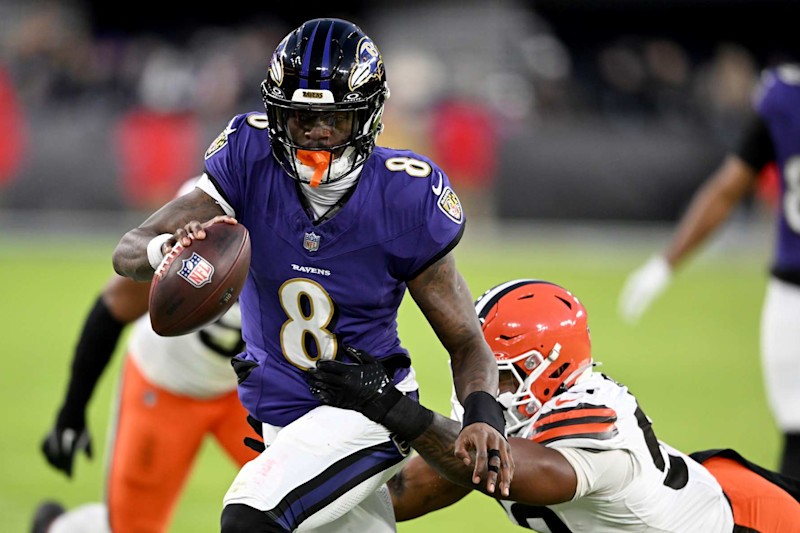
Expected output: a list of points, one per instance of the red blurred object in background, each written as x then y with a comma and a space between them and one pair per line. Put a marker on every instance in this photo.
156, 151
767, 186
465, 143
15, 129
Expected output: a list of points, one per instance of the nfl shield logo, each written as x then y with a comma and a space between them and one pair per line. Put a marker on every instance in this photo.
311, 242
196, 270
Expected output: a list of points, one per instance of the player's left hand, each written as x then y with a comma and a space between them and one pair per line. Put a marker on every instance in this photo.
492, 455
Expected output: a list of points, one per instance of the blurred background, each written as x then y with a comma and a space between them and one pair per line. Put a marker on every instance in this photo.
574, 131
602, 110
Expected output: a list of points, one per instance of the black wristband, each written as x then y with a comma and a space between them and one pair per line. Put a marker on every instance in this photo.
407, 418
480, 406
98, 339
377, 409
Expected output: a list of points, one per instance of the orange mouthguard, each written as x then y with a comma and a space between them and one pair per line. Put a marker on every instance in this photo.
317, 160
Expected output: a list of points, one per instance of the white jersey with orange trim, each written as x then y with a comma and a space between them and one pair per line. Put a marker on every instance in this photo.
197, 365
627, 479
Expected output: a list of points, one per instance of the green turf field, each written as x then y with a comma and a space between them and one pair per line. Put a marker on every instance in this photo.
692, 362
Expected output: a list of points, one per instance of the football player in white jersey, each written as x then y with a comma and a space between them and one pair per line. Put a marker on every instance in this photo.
173, 392
586, 456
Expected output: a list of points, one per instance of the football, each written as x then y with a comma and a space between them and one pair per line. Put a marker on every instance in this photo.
195, 285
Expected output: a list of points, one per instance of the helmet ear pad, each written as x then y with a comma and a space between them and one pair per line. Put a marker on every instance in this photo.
325, 65
539, 332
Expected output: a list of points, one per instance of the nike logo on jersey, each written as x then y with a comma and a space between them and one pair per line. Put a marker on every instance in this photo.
562, 401
437, 189
228, 129
222, 140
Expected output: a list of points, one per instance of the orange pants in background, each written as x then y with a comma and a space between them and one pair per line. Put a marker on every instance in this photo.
158, 436
757, 503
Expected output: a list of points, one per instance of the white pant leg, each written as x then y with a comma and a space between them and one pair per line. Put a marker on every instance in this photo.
374, 514
89, 518
780, 352
317, 468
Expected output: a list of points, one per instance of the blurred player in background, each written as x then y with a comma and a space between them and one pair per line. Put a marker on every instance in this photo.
772, 135
174, 391
339, 228
587, 458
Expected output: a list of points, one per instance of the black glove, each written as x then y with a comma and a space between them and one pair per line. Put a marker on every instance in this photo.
99, 337
65, 440
255, 444
363, 386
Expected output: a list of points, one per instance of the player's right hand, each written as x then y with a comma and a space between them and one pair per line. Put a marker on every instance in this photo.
194, 230
63, 443
643, 286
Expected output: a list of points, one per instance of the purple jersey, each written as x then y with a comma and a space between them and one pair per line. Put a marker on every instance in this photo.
313, 287
778, 104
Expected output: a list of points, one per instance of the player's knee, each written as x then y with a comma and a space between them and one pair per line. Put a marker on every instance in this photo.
239, 518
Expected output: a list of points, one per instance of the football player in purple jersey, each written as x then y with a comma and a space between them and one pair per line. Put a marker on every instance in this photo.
340, 228
773, 135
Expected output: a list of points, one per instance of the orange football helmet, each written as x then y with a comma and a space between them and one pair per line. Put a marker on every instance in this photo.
538, 331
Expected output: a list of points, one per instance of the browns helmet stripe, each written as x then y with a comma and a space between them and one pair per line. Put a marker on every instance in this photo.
488, 299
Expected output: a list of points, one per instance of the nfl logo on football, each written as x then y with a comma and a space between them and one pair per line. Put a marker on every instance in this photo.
196, 270
311, 242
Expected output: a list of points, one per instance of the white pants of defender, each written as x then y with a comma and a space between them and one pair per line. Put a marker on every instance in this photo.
304, 450
780, 352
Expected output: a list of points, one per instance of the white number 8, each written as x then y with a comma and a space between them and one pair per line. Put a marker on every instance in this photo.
791, 196
304, 323
412, 167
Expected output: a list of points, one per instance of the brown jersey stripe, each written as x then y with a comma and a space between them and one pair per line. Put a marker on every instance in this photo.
607, 431
575, 422
605, 435
572, 414
572, 408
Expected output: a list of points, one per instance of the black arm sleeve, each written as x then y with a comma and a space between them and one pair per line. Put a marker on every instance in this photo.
99, 337
755, 147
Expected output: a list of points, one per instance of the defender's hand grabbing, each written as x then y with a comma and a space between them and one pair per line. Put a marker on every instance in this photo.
363, 386
252, 443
